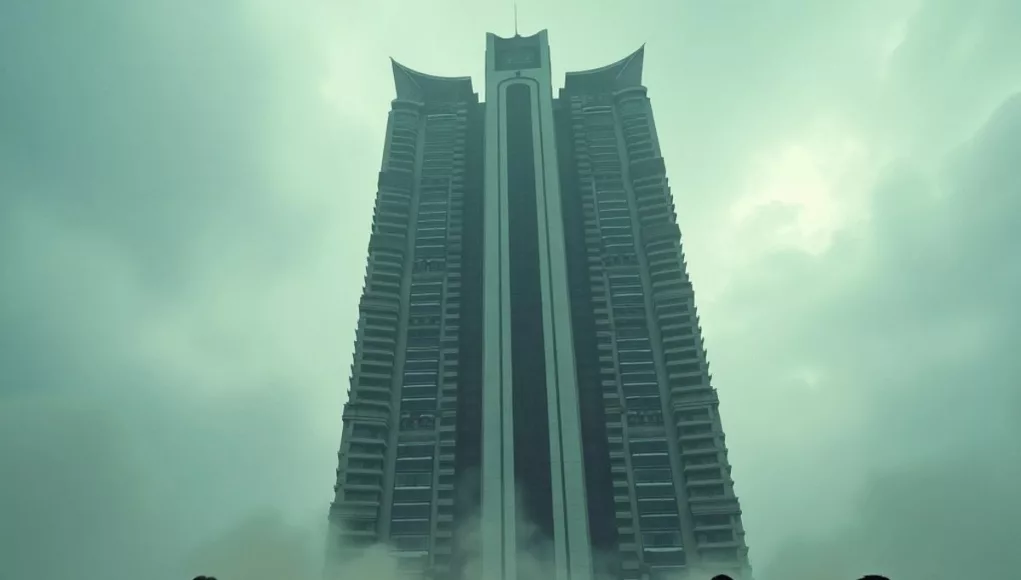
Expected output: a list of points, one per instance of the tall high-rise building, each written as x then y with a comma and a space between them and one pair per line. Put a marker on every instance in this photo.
530, 382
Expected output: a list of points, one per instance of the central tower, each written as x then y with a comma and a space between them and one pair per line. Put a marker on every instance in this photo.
533, 476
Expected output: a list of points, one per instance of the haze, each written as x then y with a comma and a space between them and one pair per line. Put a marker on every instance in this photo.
185, 200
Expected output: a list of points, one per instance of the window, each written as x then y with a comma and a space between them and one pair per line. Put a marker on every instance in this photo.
644, 418
414, 464
703, 429
377, 333
418, 391
376, 321
430, 353
386, 357
705, 490
409, 527
419, 366
362, 479
365, 464
657, 460
703, 459
376, 368
638, 378
426, 288
412, 479
637, 367
431, 331
658, 522
614, 218
628, 300
633, 332
367, 395
654, 490
429, 340
666, 506
415, 377
359, 495
418, 405
652, 476
642, 390
644, 402
409, 511
668, 557
425, 309
713, 520
433, 251
716, 537
696, 444
634, 344
621, 243
364, 449
692, 367
410, 494
411, 543
648, 446
633, 356
703, 474
414, 450
696, 415
661, 539
624, 280
368, 431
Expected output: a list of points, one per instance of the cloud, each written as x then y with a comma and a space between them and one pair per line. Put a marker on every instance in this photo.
931, 379
185, 191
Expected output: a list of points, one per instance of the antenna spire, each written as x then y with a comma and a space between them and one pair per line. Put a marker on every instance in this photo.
516, 19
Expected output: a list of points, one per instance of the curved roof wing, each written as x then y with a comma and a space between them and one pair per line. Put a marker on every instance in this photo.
626, 72
416, 86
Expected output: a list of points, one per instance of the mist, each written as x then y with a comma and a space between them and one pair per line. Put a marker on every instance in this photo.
186, 192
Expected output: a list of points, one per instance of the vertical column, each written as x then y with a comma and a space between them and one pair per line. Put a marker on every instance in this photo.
523, 196
497, 527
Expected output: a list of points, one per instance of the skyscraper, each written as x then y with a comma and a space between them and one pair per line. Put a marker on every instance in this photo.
529, 379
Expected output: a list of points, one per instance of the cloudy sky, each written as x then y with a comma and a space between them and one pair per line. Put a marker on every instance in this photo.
185, 194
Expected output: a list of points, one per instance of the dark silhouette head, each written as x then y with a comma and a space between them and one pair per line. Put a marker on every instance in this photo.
205, 578
722, 577
873, 577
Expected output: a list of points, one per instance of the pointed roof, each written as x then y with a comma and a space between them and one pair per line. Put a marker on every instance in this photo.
626, 72
415, 86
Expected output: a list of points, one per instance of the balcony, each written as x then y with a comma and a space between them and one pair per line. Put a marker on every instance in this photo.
351, 537
722, 505
363, 483
346, 511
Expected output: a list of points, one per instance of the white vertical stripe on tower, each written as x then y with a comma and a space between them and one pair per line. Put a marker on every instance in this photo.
498, 545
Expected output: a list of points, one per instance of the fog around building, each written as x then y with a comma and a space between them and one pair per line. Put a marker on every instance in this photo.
185, 198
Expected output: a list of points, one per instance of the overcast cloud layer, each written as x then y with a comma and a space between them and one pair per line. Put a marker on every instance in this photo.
185, 196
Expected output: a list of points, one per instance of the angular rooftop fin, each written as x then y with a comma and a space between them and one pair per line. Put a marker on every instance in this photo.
416, 86
626, 72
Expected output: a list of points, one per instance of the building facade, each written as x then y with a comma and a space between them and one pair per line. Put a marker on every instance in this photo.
530, 385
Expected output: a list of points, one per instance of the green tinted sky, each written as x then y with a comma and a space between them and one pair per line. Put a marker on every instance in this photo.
185, 196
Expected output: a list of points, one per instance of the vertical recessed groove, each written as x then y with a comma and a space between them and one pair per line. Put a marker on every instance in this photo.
531, 429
